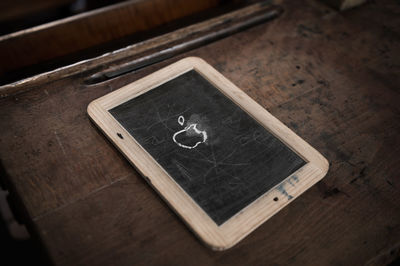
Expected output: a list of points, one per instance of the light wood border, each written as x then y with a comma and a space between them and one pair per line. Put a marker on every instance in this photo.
236, 228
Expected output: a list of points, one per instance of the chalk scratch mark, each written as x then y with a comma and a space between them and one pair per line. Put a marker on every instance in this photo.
159, 118
215, 162
185, 173
154, 140
216, 165
206, 174
59, 143
163, 121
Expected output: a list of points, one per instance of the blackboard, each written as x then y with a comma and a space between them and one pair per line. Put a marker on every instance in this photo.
214, 150
221, 161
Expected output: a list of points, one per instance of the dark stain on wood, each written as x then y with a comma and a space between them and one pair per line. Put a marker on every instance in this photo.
360, 176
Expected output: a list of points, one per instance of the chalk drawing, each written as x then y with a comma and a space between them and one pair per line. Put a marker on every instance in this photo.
181, 120
189, 130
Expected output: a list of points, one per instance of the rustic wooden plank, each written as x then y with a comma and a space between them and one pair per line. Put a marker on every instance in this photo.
143, 243
154, 50
53, 131
332, 78
79, 32
18, 9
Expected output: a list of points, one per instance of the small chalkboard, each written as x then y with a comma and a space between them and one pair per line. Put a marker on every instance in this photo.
220, 160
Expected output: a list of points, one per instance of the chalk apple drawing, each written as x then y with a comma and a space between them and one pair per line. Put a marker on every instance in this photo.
190, 129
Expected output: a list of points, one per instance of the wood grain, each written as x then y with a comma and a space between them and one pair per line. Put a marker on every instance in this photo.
66, 36
333, 78
156, 49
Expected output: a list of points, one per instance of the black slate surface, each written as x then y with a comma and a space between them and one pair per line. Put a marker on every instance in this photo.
235, 160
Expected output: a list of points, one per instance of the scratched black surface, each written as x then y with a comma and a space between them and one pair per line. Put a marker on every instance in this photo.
238, 162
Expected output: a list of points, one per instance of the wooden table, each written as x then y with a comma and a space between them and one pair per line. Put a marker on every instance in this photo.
332, 77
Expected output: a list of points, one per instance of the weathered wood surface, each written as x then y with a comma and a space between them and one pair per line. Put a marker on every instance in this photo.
75, 34
331, 77
153, 50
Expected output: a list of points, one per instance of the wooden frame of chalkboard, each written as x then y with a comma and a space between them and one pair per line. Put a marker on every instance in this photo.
218, 230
